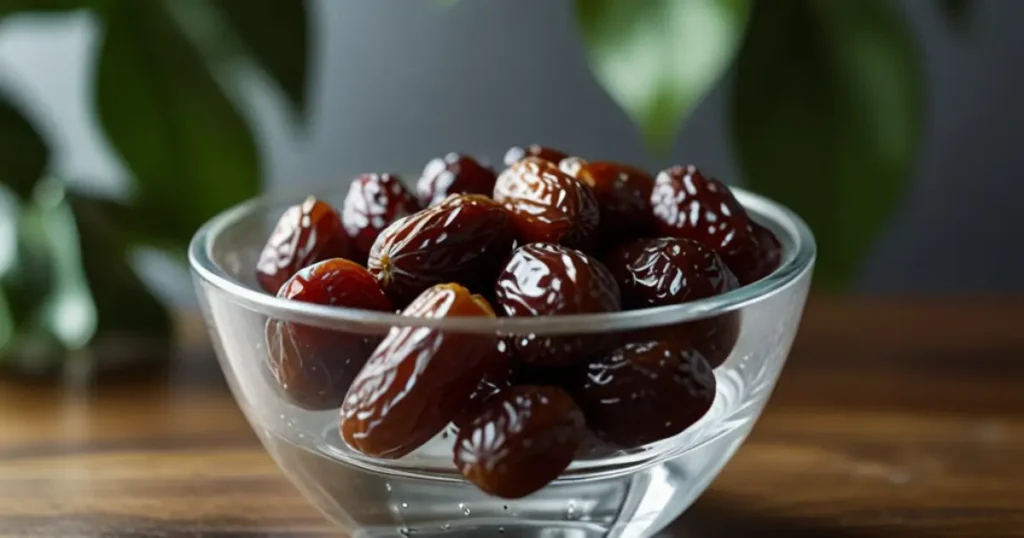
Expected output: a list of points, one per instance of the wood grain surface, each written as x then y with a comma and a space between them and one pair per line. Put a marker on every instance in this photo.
894, 418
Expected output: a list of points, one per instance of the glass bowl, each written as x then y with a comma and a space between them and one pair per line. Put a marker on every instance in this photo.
625, 493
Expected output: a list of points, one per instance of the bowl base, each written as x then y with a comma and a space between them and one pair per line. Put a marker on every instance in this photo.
635, 504
504, 529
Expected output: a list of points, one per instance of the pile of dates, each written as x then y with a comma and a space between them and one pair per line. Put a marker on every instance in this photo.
550, 235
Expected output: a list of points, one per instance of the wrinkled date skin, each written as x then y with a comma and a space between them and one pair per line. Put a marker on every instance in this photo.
453, 174
499, 377
518, 153
667, 271
644, 392
315, 366
305, 234
543, 279
623, 193
524, 438
547, 205
759, 262
689, 205
373, 202
658, 272
463, 239
714, 337
418, 379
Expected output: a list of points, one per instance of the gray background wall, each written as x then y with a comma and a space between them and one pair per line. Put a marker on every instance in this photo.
400, 81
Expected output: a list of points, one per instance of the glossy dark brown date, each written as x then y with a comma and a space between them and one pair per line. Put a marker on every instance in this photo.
518, 153
714, 337
761, 259
315, 366
453, 174
689, 205
373, 202
547, 205
623, 193
417, 380
543, 279
500, 376
644, 392
522, 440
463, 239
667, 271
306, 233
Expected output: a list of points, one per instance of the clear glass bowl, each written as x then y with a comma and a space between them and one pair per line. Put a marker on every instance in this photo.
631, 493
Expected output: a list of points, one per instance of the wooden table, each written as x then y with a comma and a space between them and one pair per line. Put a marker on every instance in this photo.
893, 419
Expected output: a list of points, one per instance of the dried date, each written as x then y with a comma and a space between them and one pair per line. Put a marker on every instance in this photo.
762, 256
373, 202
687, 204
315, 366
306, 233
543, 279
547, 205
644, 392
667, 271
418, 379
623, 194
659, 272
499, 377
518, 153
522, 440
463, 239
453, 174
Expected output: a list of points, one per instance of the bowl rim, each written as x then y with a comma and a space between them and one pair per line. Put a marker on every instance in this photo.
799, 252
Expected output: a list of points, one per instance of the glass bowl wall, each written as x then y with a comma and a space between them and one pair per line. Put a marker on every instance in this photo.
604, 493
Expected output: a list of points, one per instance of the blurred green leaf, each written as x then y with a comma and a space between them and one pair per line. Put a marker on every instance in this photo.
7, 325
68, 311
658, 58
123, 302
72, 282
276, 34
8, 257
23, 153
188, 147
9, 211
826, 116
48, 303
27, 273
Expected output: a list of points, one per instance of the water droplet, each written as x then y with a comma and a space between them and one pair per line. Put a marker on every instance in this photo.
387, 486
405, 505
501, 530
446, 526
404, 531
570, 512
465, 509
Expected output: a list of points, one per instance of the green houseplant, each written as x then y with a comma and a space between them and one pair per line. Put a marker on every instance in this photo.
167, 105
826, 98
825, 115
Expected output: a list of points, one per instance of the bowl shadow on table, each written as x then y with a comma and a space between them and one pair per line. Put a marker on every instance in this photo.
720, 515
